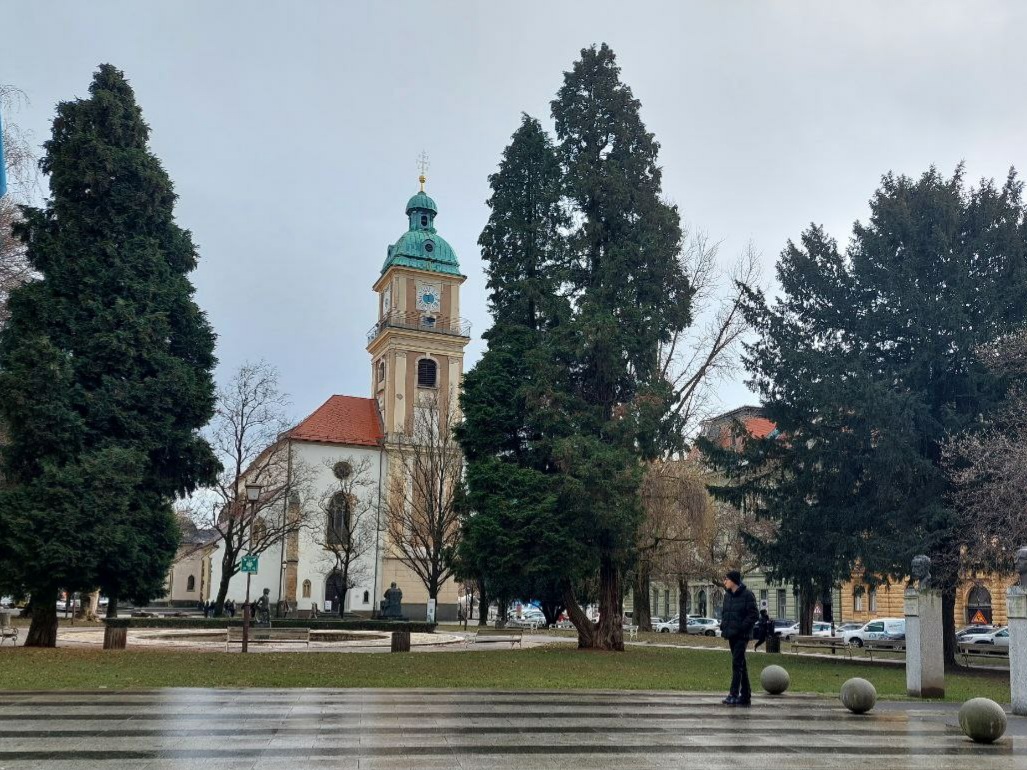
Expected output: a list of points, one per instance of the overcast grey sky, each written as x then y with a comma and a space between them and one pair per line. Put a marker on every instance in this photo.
291, 130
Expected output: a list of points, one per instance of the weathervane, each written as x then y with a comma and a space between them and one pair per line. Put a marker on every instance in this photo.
422, 165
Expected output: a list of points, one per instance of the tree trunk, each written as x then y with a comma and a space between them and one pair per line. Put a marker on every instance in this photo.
483, 604
345, 591
112, 606
608, 633
807, 601
682, 605
552, 610
43, 630
584, 626
641, 611
948, 624
227, 565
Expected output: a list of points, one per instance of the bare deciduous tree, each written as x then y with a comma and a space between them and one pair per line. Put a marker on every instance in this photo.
704, 354
420, 510
988, 467
346, 524
22, 176
247, 434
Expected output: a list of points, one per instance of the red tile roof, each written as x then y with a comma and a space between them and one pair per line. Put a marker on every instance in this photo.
342, 420
759, 427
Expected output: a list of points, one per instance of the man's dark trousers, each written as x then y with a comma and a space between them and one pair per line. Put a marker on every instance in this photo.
740, 686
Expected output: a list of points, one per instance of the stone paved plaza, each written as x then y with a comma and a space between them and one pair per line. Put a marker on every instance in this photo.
195, 728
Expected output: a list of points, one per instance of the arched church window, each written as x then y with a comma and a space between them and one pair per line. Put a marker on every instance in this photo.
306, 589
190, 584
381, 372
427, 373
338, 519
367, 597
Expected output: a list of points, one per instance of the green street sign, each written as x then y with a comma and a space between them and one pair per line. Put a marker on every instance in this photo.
248, 564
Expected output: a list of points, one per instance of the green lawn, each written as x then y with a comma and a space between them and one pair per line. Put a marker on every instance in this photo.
556, 667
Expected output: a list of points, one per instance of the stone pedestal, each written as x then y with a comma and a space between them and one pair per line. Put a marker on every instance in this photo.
1016, 608
925, 644
401, 641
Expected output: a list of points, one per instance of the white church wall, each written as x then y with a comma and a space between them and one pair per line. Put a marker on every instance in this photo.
315, 562
269, 575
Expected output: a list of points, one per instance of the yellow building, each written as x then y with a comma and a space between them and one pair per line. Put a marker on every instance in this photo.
979, 599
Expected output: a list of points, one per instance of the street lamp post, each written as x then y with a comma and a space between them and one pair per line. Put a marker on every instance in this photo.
252, 496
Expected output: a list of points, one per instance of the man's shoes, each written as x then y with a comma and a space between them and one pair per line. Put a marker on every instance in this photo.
742, 702
730, 700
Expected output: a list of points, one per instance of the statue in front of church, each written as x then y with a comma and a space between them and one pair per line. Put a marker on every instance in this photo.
263, 609
392, 604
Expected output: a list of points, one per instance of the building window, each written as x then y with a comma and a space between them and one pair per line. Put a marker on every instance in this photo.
782, 603
258, 531
306, 589
367, 597
381, 372
764, 599
427, 373
338, 519
666, 603
424, 220
872, 595
857, 599
190, 584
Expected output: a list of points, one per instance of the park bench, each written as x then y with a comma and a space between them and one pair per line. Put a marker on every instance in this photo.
8, 631
563, 625
832, 643
632, 632
870, 646
268, 636
969, 651
511, 636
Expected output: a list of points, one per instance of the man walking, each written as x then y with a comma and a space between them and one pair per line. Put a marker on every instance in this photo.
736, 623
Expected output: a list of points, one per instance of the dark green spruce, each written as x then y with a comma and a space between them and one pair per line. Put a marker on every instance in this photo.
512, 535
867, 363
105, 369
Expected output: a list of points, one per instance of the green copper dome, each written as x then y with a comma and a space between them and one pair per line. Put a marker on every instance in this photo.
422, 201
421, 247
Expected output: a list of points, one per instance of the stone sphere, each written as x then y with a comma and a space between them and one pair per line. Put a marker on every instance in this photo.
983, 720
858, 695
774, 679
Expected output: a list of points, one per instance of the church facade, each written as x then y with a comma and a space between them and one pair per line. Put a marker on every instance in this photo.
352, 448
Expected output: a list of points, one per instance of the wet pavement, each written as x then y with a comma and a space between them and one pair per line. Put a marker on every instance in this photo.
306, 728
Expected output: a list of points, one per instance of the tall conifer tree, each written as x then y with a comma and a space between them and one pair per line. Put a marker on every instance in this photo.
105, 368
631, 294
867, 363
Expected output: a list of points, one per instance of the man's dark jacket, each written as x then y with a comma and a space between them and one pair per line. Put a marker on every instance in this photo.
739, 614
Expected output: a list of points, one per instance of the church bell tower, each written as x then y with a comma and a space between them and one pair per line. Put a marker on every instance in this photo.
417, 345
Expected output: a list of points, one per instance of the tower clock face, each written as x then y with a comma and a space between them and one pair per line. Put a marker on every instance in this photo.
429, 297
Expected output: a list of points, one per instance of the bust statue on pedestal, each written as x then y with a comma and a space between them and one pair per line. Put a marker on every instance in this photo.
1021, 567
921, 571
392, 604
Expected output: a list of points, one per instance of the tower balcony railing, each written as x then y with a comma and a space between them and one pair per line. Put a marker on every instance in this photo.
423, 322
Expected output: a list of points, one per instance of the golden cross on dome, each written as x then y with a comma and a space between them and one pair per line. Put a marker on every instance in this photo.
422, 165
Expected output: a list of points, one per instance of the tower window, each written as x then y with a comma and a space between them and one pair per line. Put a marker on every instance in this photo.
424, 220
427, 373
381, 372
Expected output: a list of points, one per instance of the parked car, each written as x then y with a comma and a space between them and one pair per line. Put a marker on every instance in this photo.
878, 628
999, 637
667, 626
975, 629
840, 630
704, 626
819, 629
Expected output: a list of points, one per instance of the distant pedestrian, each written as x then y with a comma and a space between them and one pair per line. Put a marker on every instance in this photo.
231, 608
764, 629
737, 620
206, 610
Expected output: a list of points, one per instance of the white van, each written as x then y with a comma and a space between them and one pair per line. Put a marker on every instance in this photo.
879, 628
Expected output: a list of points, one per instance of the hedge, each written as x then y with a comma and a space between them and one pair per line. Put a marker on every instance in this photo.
217, 623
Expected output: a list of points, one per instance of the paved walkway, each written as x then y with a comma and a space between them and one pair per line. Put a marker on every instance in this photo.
195, 728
